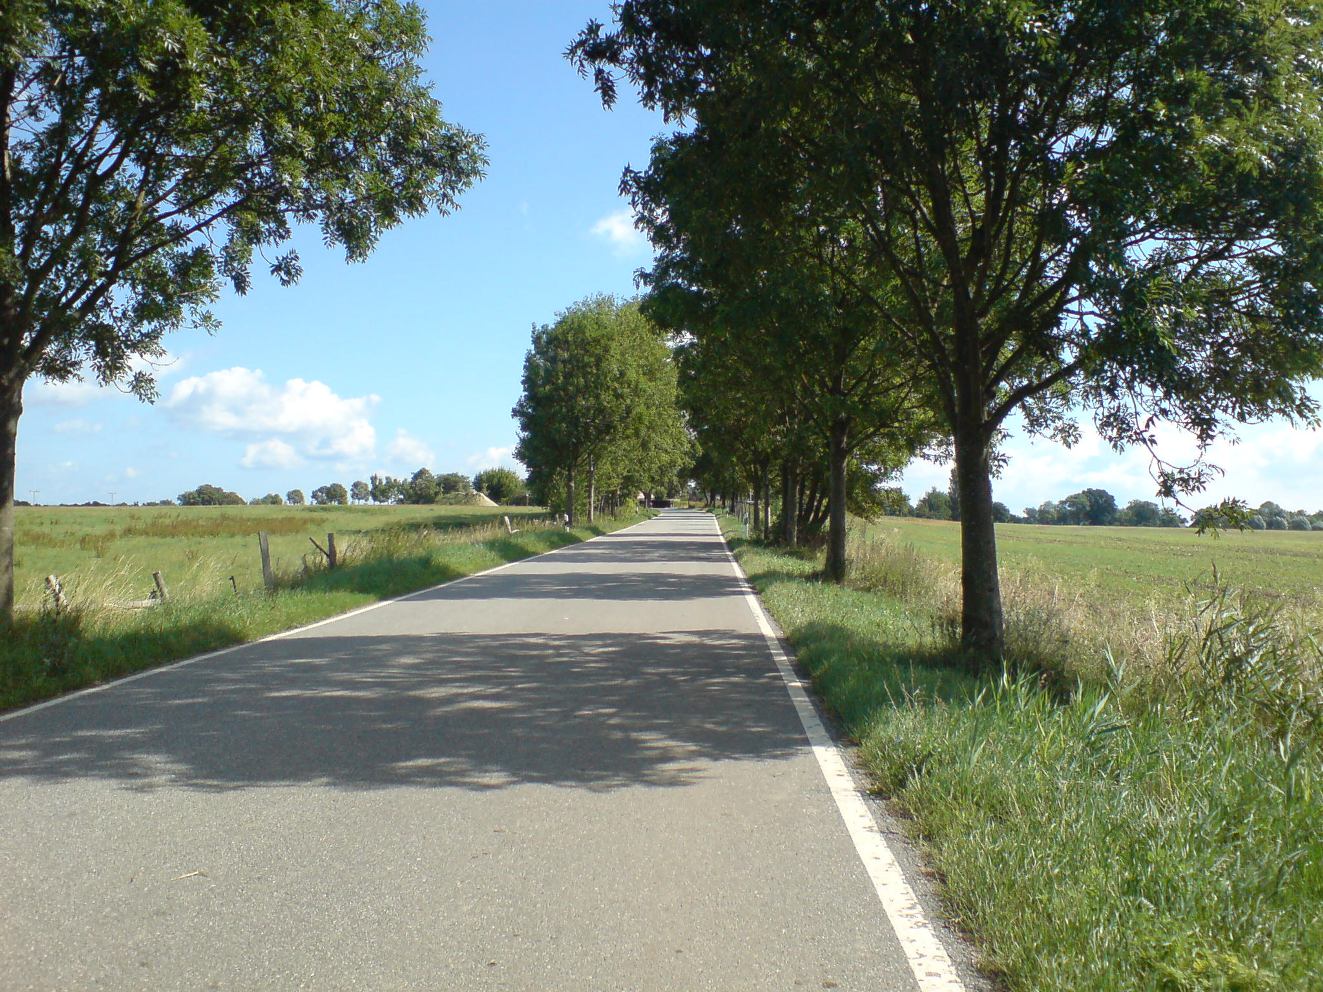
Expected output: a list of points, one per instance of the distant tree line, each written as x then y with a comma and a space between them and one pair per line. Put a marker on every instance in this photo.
1268, 516
1098, 508
501, 485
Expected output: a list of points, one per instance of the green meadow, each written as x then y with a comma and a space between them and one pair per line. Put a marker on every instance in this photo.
102, 554
1138, 565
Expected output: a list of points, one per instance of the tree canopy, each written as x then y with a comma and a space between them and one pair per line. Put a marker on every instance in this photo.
153, 149
599, 402
1050, 205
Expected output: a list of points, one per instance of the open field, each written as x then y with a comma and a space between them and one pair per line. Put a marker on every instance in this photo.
1114, 834
1139, 565
110, 553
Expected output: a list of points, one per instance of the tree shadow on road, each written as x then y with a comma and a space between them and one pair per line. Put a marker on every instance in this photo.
469, 711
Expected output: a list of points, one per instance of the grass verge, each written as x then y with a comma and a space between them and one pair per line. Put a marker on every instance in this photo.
46, 654
1116, 836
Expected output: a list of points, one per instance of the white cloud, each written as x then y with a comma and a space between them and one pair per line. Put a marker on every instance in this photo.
492, 458
130, 473
309, 418
619, 230
1271, 461
406, 449
272, 453
77, 426
80, 392
75, 392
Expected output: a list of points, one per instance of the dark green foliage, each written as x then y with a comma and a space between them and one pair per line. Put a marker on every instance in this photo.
386, 489
934, 505
422, 487
499, 484
332, 494
452, 483
209, 495
1096, 507
295, 497
359, 492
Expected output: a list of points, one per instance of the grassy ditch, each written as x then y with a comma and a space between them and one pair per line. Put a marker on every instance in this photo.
1110, 832
46, 653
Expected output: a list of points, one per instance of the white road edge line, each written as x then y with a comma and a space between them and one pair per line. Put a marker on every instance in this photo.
927, 957
147, 673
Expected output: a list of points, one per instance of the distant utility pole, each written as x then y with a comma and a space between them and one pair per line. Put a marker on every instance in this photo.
112, 496
33, 493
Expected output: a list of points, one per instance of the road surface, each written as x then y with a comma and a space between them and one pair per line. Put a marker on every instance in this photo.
579, 772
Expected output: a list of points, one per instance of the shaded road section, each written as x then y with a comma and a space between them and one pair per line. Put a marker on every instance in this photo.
579, 772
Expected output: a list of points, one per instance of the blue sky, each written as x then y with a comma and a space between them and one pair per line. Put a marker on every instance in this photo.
413, 357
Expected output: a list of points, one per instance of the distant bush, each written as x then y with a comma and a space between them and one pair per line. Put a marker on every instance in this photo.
1276, 523
499, 484
295, 497
1256, 522
332, 494
209, 495
1299, 523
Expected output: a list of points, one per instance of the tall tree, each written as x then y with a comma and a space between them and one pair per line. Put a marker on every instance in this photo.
150, 147
764, 279
1109, 203
596, 398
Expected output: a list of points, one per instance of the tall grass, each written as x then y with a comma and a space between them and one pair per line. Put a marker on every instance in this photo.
1143, 818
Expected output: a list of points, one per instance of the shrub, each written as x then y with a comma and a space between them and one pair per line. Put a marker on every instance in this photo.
500, 484
1256, 522
1276, 523
209, 495
1299, 523
333, 494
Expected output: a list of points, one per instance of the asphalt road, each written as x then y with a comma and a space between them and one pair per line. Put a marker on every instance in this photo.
581, 772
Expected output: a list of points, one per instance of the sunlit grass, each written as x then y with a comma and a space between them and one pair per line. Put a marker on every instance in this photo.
1099, 831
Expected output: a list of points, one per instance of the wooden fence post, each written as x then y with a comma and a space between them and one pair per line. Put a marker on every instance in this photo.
268, 577
330, 551
161, 595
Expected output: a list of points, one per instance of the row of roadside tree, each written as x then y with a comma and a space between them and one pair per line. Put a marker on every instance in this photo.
893, 229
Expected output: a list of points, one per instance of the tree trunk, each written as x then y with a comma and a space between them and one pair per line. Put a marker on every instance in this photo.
592, 490
753, 516
569, 496
839, 455
767, 501
11, 407
982, 634
789, 503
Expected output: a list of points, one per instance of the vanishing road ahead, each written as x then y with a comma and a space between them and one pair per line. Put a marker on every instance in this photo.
580, 772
